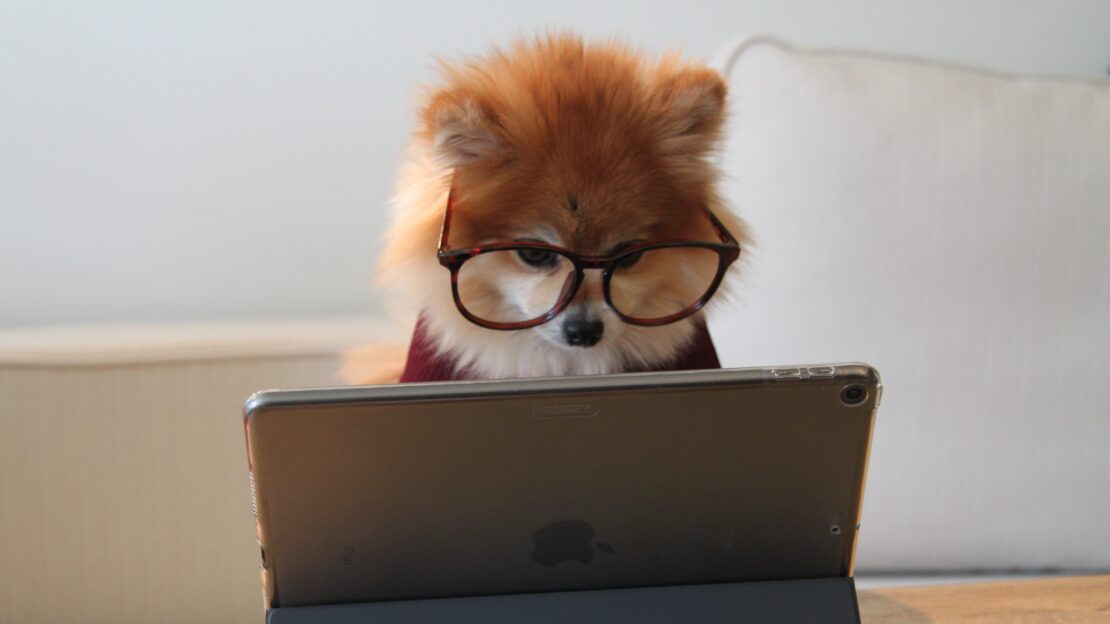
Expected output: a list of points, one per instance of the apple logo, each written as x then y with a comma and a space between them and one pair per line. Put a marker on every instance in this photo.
566, 540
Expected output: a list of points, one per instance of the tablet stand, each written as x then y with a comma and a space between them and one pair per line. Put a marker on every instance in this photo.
814, 601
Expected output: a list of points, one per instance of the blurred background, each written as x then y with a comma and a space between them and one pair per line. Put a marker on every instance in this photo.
216, 160
193, 196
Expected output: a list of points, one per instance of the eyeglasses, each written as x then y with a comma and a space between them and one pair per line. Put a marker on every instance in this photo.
521, 284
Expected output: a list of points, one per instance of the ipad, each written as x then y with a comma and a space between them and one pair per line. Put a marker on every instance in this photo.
381, 493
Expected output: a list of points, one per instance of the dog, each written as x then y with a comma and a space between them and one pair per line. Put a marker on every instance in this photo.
574, 150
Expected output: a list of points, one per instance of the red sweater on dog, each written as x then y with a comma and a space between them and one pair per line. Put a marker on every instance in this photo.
424, 364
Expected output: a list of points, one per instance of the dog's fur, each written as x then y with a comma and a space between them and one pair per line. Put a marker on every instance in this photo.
581, 145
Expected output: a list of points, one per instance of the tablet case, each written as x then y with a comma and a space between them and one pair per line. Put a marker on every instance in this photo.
796, 420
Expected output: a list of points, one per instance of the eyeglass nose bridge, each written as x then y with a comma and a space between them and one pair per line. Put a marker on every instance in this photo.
575, 279
592, 262
572, 286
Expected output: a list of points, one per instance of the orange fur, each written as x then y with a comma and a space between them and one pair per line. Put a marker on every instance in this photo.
592, 144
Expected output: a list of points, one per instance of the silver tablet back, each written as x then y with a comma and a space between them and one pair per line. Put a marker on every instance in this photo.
473, 488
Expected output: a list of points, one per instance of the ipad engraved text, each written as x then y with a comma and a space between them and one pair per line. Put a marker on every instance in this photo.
565, 410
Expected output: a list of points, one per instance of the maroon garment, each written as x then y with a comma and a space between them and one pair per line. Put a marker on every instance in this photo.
424, 364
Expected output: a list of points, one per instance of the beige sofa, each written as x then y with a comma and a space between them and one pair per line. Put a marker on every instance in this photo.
123, 477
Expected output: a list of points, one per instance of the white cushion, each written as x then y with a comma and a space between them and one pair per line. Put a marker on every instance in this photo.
950, 226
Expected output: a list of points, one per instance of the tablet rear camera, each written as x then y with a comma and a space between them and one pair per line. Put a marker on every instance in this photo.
853, 394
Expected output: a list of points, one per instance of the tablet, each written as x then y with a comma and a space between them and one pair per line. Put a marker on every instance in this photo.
473, 488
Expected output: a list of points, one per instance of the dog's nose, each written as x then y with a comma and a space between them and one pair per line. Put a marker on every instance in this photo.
582, 333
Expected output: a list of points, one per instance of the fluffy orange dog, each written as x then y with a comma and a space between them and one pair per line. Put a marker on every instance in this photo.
567, 189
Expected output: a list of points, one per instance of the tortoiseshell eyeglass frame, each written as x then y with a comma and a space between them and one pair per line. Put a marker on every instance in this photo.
728, 250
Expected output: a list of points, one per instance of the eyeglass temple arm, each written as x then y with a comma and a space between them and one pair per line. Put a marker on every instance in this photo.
445, 229
722, 232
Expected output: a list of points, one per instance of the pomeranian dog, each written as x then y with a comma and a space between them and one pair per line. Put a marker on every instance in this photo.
558, 215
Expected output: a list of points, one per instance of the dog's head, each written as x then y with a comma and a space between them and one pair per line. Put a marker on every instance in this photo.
590, 149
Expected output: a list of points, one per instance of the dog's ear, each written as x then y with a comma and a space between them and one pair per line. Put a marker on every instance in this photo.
462, 129
692, 109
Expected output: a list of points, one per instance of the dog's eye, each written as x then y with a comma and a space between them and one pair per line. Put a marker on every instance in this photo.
537, 257
630, 259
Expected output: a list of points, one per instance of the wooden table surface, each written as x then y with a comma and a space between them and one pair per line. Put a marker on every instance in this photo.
1071, 600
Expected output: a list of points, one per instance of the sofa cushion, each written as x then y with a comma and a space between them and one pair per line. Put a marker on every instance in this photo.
949, 226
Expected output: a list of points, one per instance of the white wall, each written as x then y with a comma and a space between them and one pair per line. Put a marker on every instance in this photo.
221, 159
